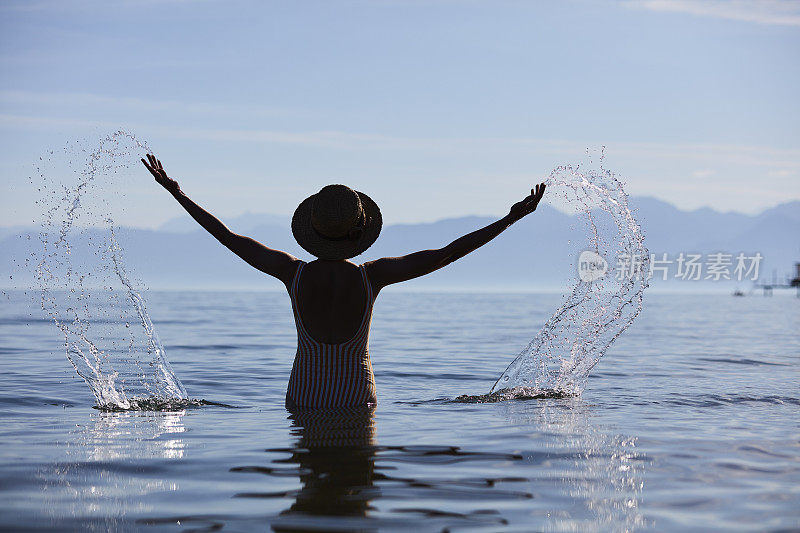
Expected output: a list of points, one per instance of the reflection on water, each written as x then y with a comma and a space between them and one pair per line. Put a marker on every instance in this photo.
564, 473
114, 435
94, 480
602, 473
561, 472
334, 458
335, 455
573, 477
348, 480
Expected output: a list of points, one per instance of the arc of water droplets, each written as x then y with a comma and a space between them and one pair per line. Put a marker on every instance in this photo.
64, 292
595, 313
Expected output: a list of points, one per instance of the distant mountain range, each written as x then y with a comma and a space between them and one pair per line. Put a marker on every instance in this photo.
536, 253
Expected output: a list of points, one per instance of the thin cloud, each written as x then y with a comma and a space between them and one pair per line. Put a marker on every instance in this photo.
785, 160
781, 173
770, 12
15, 99
703, 173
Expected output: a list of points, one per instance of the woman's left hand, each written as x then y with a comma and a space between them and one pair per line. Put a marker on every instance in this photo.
527, 205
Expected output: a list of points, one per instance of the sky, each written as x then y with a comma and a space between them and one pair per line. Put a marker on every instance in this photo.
435, 108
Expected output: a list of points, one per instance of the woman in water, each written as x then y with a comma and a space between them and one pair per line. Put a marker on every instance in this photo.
332, 298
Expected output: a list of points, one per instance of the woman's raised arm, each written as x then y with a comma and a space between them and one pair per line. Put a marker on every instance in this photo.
389, 270
273, 262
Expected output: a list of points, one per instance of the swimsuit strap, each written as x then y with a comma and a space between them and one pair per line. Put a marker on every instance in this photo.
295, 280
295, 307
365, 319
367, 286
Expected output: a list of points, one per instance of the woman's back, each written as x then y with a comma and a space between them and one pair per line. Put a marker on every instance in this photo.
331, 369
331, 298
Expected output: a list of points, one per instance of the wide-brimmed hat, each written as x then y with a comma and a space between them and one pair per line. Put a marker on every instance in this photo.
336, 223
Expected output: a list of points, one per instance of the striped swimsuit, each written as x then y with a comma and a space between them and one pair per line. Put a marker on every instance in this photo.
331, 375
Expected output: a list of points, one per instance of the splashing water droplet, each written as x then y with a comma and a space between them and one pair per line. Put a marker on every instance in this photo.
80, 272
599, 306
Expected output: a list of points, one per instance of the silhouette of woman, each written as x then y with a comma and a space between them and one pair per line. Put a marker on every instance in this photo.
332, 298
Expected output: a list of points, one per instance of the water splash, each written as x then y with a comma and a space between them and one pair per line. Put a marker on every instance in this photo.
79, 267
596, 311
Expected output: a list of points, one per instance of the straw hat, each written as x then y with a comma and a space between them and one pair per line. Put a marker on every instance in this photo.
336, 223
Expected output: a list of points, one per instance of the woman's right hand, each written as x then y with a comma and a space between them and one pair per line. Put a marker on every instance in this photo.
158, 172
527, 205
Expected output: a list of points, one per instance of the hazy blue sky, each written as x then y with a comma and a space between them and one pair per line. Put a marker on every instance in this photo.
434, 108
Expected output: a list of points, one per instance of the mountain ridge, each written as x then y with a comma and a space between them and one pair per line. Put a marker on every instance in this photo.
536, 253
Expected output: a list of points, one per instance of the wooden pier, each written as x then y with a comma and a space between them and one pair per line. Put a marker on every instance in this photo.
793, 283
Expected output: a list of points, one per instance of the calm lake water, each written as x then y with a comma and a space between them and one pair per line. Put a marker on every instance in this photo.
690, 422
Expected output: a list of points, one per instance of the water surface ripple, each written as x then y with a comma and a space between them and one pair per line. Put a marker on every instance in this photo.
676, 430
